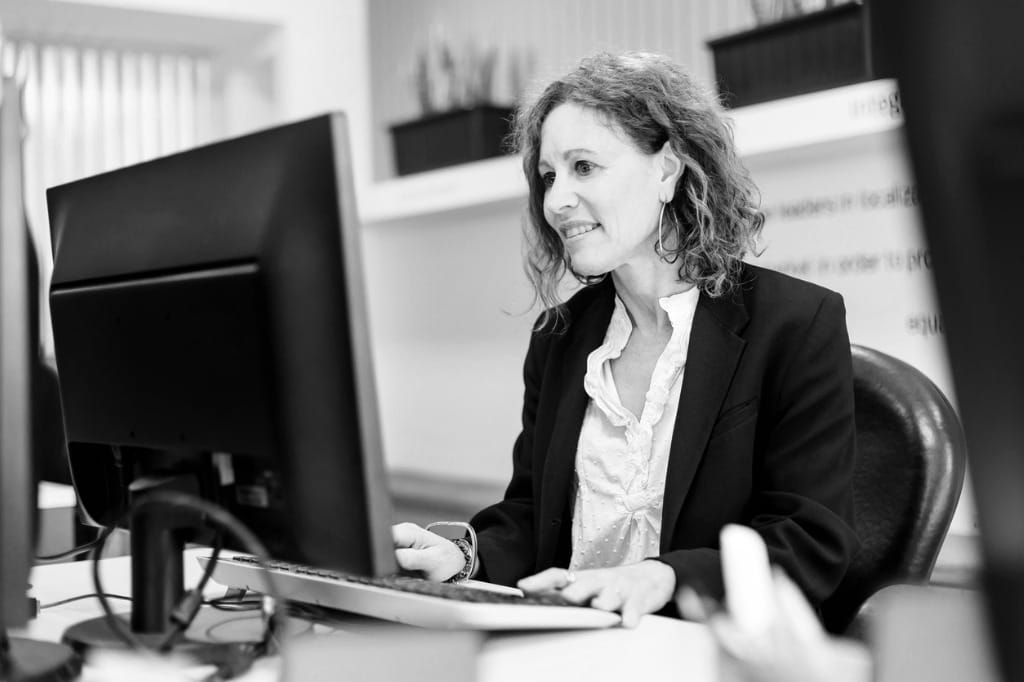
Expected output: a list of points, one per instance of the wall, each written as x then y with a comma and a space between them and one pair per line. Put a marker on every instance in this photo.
450, 305
845, 215
553, 35
450, 319
313, 58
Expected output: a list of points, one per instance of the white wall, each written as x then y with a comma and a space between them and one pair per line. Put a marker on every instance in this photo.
450, 317
314, 59
546, 37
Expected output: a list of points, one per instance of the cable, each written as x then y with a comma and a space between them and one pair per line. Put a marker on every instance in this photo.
246, 653
73, 552
80, 597
185, 612
235, 600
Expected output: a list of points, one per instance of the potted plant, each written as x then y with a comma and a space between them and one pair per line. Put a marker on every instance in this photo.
460, 119
797, 47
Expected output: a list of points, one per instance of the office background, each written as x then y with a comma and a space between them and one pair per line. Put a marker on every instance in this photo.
113, 82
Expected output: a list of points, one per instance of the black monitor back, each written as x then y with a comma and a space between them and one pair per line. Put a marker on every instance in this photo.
961, 78
209, 315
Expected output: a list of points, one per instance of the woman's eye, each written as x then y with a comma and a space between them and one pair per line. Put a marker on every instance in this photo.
548, 179
584, 167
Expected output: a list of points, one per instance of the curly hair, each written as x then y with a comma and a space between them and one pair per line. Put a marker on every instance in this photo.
715, 206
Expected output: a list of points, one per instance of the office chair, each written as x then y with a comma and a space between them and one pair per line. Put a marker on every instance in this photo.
911, 457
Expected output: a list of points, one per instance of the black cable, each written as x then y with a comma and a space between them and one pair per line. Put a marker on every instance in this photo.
73, 552
80, 597
235, 606
235, 600
183, 615
226, 521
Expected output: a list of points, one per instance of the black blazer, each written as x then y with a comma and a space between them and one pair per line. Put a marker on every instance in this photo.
764, 436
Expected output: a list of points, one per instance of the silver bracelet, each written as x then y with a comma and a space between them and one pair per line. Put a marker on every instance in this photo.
464, 537
467, 568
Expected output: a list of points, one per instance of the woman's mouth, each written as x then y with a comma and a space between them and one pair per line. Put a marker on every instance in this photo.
575, 229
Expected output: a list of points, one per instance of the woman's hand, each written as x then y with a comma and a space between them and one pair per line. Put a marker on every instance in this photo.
633, 590
417, 549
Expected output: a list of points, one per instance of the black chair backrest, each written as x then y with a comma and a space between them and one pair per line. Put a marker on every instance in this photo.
911, 457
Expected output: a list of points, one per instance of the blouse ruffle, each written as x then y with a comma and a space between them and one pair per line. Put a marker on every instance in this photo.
621, 460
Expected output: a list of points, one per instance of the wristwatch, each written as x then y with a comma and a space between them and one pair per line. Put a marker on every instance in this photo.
464, 537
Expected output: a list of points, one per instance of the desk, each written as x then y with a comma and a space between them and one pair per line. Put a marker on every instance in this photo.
654, 650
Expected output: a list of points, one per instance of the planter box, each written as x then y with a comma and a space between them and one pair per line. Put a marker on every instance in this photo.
816, 51
450, 138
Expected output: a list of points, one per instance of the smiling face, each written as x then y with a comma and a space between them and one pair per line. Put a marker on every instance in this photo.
602, 194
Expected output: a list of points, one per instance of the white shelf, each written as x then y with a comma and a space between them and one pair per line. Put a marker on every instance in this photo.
827, 116
470, 184
138, 23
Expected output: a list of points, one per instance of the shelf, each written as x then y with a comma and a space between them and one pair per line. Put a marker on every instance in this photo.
102, 23
470, 184
827, 116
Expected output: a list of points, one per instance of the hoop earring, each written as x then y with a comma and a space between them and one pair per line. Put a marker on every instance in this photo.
660, 248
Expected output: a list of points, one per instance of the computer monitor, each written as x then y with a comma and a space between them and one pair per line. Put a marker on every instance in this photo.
20, 658
210, 332
961, 79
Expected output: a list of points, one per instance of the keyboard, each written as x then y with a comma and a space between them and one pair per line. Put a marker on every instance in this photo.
472, 605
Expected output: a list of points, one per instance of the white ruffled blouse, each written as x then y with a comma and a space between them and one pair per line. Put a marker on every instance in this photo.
621, 460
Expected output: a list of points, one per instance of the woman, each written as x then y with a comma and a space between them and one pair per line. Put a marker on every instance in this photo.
680, 389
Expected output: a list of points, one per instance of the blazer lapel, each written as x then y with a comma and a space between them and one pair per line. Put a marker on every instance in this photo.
714, 351
587, 333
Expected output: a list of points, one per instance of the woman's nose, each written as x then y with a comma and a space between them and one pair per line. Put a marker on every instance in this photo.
561, 195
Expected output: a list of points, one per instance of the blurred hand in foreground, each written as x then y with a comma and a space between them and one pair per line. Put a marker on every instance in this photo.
792, 648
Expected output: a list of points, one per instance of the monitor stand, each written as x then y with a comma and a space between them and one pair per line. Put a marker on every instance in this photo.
157, 541
29, 660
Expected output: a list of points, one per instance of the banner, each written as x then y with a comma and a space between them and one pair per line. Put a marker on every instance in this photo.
844, 214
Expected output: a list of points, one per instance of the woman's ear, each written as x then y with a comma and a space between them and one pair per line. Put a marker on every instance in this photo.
671, 168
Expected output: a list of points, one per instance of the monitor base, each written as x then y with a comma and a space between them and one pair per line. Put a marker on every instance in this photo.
31, 660
97, 634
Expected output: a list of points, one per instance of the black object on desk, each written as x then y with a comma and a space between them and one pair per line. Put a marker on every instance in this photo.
962, 83
20, 658
211, 337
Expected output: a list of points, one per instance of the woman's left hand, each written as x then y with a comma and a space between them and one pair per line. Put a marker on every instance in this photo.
633, 590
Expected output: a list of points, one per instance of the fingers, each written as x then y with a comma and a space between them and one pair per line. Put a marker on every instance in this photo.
409, 535
733, 640
629, 599
549, 580
605, 589
633, 590
438, 562
795, 611
417, 549
632, 610
694, 607
413, 559
613, 597
579, 588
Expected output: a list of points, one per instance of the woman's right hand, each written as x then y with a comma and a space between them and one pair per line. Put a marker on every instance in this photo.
417, 549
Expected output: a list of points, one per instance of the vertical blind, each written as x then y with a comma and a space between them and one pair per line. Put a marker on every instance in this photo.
90, 109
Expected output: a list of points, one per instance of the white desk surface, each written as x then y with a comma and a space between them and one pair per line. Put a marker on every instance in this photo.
658, 648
